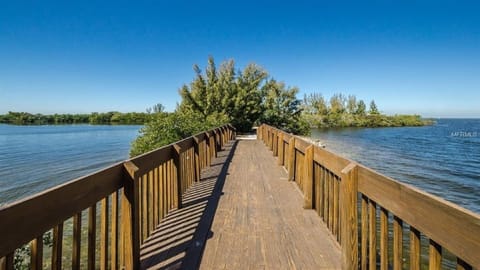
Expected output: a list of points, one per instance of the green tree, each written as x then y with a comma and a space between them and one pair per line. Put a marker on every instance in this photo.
373, 108
282, 108
352, 104
361, 108
315, 104
236, 95
337, 104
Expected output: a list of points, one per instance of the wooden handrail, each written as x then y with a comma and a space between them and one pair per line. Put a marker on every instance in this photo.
338, 181
147, 186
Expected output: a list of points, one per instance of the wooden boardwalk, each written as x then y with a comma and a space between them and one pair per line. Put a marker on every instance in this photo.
244, 214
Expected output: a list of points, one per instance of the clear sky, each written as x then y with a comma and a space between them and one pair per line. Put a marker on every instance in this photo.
77, 57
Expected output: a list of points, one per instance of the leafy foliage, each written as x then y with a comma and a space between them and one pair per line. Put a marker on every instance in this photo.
282, 108
351, 112
224, 95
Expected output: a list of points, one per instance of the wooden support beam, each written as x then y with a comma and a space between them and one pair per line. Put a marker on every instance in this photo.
349, 224
179, 174
308, 178
291, 159
131, 217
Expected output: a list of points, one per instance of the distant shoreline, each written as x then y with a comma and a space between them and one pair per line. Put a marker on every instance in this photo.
108, 118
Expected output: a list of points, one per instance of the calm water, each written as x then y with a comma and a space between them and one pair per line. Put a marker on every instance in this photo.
34, 158
443, 159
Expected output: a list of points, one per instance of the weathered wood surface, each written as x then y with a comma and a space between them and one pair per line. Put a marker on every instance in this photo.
243, 214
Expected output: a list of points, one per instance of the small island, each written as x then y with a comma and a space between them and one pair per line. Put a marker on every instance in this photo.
348, 111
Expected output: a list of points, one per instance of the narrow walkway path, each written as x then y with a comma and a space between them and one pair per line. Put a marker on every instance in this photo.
244, 214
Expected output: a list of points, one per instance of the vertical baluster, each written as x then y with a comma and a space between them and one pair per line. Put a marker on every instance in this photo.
372, 229
92, 224
364, 245
163, 195
336, 196
123, 224
397, 243
76, 241
435, 256
167, 192
330, 201
114, 232
156, 202
414, 249
325, 195
144, 196
104, 220
36, 257
383, 238
320, 191
57, 246
150, 201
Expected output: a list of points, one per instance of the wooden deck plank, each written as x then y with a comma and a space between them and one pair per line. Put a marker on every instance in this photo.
243, 214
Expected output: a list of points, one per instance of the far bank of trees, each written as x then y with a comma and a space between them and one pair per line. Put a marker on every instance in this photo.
24, 118
348, 111
222, 94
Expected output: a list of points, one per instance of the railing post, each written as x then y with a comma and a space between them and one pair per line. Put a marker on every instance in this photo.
196, 158
178, 168
259, 132
291, 159
234, 132
349, 212
208, 149
275, 143
131, 217
280, 149
270, 139
308, 178
215, 142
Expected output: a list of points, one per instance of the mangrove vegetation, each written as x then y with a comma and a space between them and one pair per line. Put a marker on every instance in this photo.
348, 111
222, 94
24, 118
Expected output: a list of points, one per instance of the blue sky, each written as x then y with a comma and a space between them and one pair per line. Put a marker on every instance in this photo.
75, 57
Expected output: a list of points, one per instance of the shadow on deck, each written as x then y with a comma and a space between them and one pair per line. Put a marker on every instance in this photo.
178, 242
243, 214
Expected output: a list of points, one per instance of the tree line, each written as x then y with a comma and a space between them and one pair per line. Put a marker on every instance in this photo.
348, 111
222, 94
24, 118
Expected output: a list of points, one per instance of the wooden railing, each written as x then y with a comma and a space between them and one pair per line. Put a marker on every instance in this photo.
130, 198
379, 222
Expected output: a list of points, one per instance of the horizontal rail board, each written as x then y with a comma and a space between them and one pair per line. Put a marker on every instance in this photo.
150, 160
301, 144
287, 137
451, 226
26, 219
329, 160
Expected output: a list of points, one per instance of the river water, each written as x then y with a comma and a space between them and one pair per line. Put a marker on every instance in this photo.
34, 158
443, 159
